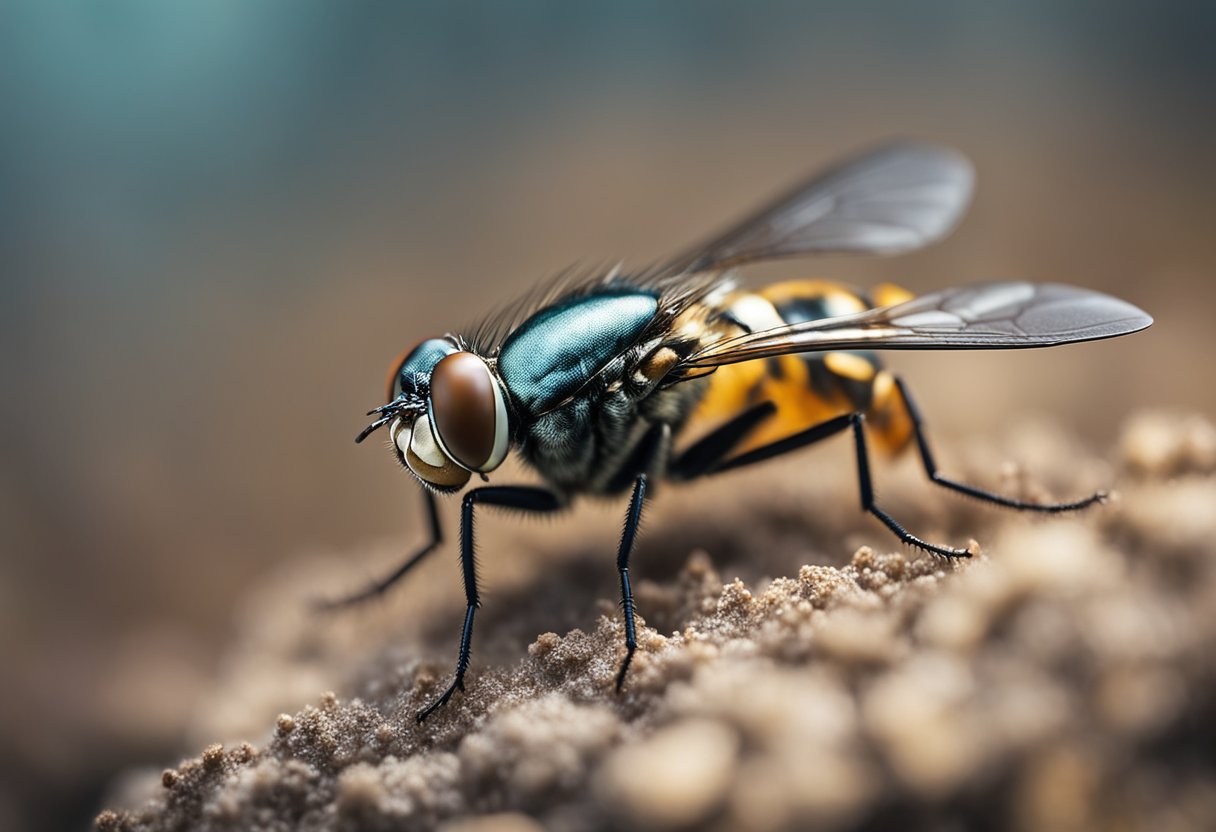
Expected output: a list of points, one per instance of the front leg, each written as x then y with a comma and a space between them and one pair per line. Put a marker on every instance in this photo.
524, 498
379, 587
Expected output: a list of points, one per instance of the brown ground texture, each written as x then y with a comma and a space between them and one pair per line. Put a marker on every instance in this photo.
1061, 679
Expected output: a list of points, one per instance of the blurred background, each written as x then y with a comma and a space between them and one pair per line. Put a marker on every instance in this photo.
220, 221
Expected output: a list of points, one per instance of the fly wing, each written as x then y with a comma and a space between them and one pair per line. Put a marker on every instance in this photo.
896, 198
983, 316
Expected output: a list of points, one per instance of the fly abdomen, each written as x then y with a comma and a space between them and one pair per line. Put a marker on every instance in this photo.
806, 388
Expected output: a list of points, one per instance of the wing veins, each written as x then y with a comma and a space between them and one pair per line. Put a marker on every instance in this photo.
1067, 315
849, 210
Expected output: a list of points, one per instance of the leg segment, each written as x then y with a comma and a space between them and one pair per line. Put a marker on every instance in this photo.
524, 498
930, 465
378, 588
647, 460
822, 431
632, 519
711, 449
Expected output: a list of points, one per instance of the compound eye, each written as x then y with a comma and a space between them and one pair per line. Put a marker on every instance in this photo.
417, 361
393, 383
468, 412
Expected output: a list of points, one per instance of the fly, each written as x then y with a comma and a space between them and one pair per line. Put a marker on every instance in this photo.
614, 384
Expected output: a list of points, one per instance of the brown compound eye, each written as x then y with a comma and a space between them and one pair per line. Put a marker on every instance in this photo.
468, 413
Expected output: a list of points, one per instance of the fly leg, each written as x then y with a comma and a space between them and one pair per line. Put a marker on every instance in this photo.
930, 465
632, 519
709, 451
647, 459
524, 498
378, 588
705, 465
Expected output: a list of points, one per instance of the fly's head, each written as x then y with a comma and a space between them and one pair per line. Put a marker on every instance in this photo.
446, 415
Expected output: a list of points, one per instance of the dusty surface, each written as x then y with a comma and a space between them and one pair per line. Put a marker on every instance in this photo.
1063, 679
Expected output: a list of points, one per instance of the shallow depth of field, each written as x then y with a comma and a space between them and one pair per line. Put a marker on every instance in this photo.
220, 223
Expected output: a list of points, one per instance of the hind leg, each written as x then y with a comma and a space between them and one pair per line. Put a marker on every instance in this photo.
713, 455
897, 419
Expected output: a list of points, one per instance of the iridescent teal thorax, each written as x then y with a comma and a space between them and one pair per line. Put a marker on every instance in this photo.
555, 352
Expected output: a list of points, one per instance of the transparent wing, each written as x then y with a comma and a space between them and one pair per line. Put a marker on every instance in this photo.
896, 198
983, 316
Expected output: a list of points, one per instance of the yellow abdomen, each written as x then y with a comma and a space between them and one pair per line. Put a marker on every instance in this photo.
807, 388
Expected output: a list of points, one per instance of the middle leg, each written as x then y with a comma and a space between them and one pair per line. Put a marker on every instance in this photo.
632, 519
646, 460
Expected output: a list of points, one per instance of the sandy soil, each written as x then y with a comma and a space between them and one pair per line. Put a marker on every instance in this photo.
1062, 679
